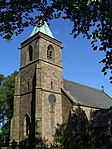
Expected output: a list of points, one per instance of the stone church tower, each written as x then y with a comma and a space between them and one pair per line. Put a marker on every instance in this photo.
37, 100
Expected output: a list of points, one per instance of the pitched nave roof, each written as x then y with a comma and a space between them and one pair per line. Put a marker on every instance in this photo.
87, 96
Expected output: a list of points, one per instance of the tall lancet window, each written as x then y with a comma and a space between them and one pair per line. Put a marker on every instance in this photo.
50, 53
26, 125
30, 53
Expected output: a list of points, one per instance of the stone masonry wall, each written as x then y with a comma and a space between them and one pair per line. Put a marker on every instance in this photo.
48, 127
27, 91
87, 110
25, 52
16, 111
43, 46
48, 72
27, 83
67, 106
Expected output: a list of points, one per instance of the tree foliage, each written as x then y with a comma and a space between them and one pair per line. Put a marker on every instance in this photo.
7, 85
83, 133
92, 18
2, 100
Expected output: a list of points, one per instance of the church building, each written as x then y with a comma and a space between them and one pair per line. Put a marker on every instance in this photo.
43, 98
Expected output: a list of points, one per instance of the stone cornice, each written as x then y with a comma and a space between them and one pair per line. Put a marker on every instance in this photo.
40, 35
23, 93
47, 90
40, 60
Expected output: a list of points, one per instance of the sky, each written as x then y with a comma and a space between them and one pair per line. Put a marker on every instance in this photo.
80, 62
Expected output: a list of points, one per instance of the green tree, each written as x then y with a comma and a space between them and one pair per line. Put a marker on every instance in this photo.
58, 138
92, 18
7, 85
2, 101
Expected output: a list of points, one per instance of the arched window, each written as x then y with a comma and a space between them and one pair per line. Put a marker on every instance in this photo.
50, 53
26, 125
30, 53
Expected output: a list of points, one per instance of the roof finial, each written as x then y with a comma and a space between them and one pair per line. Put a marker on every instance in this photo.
102, 88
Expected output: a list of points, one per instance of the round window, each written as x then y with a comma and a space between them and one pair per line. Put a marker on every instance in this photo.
52, 99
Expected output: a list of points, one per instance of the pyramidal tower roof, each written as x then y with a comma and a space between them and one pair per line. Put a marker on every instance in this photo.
43, 29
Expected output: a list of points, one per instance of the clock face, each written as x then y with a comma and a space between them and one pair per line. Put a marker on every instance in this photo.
52, 99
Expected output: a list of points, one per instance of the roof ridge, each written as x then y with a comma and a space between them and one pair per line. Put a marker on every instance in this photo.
84, 85
106, 94
89, 87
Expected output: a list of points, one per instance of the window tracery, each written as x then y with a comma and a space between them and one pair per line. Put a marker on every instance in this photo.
50, 53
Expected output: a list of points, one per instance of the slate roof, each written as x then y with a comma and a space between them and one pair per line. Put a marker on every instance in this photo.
87, 96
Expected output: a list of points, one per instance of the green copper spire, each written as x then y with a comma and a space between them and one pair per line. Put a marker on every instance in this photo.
43, 29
